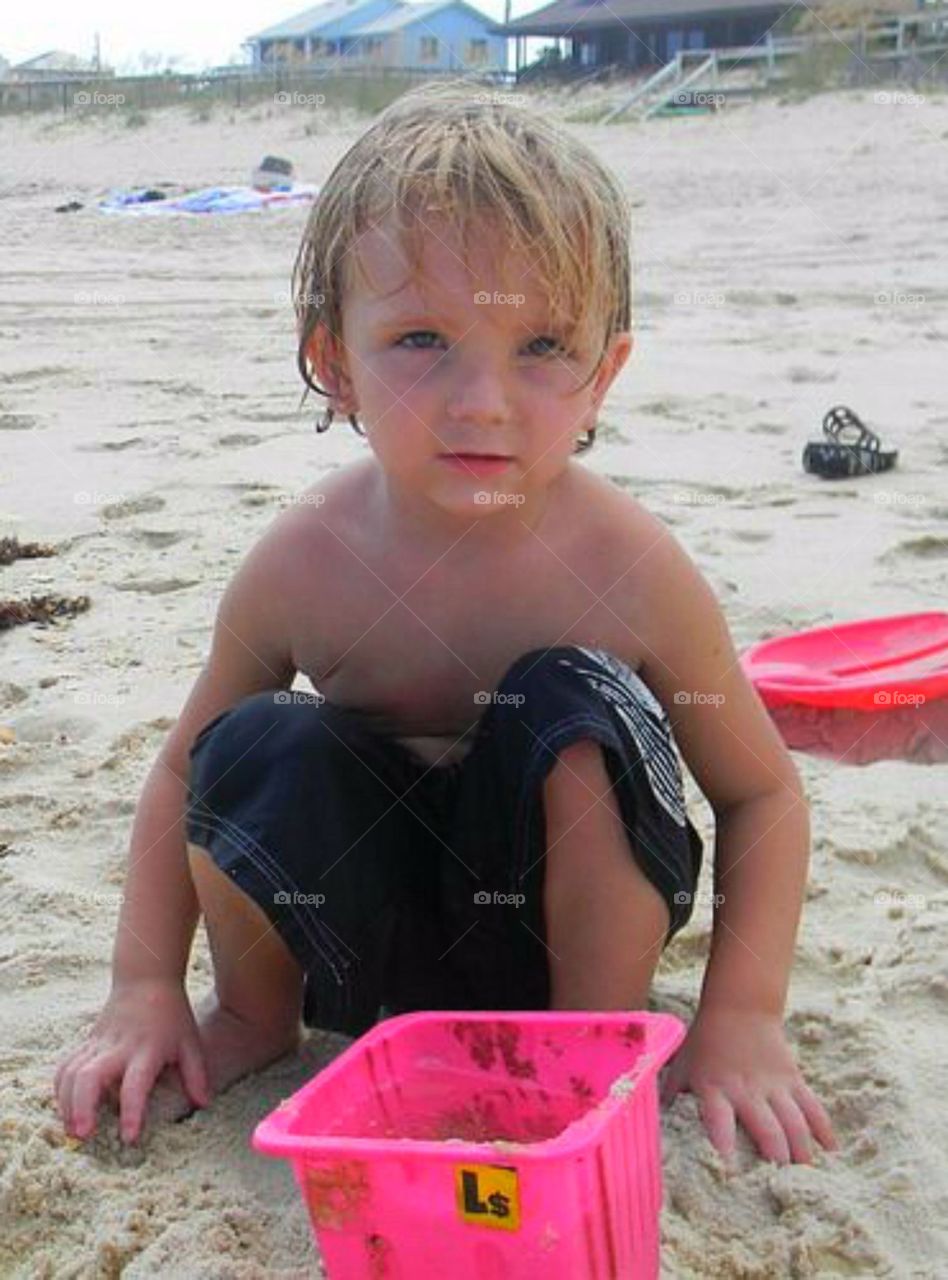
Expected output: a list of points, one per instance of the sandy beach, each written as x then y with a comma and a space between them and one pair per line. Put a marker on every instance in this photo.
789, 257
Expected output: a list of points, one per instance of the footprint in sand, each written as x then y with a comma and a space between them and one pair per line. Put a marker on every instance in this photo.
179, 388
752, 535
769, 429
253, 492
148, 502
110, 446
799, 373
156, 537
45, 373
43, 727
11, 695
155, 586
238, 440
262, 415
925, 548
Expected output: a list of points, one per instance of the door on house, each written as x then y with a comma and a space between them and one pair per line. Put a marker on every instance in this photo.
614, 46
674, 40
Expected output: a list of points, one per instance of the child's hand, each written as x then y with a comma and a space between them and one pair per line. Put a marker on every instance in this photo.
143, 1026
740, 1066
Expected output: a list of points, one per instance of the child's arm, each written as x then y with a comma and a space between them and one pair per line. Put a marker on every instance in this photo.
147, 1020
735, 1058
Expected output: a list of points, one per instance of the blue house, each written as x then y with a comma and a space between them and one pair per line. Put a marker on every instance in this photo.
441, 35
325, 31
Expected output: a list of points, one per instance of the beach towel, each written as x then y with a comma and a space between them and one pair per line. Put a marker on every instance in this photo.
207, 200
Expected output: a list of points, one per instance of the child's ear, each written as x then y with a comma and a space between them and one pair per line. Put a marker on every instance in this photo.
618, 351
327, 359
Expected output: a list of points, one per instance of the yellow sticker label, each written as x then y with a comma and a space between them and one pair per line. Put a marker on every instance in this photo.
488, 1194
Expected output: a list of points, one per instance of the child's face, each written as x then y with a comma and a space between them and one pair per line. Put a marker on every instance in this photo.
451, 363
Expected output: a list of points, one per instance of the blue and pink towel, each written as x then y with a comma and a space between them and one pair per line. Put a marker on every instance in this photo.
207, 200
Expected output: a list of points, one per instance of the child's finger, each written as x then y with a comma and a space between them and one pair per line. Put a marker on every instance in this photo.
63, 1064
758, 1118
820, 1124
63, 1082
717, 1116
140, 1075
795, 1127
194, 1073
88, 1081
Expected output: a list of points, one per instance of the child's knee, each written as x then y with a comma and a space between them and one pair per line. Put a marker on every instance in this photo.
264, 734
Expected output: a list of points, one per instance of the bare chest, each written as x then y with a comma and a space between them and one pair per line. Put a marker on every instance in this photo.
416, 653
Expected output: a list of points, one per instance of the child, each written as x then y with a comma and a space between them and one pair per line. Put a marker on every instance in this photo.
482, 806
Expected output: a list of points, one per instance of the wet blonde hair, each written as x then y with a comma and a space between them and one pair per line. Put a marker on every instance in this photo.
468, 155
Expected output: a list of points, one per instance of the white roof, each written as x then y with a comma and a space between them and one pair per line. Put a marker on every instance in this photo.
414, 13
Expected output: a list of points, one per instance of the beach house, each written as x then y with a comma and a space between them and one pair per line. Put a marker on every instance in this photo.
443, 35
637, 33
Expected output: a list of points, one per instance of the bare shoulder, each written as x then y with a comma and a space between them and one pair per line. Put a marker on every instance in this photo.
329, 503
655, 576
265, 605
293, 555
619, 533
689, 660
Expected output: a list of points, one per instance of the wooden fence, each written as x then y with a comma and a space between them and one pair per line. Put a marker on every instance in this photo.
314, 85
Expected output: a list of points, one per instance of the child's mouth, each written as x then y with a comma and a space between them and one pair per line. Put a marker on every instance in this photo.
477, 463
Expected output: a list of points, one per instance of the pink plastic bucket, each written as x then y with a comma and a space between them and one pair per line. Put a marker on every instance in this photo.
484, 1146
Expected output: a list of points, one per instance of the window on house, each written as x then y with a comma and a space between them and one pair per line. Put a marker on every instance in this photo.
476, 52
429, 48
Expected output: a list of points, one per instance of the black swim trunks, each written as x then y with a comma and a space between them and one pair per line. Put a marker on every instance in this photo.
402, 885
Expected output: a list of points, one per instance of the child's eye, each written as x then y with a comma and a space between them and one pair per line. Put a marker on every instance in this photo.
406, 338
553, 342
417, 333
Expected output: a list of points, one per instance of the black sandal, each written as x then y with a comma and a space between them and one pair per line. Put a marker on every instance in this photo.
858, 456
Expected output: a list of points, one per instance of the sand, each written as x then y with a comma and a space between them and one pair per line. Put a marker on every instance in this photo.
149, 427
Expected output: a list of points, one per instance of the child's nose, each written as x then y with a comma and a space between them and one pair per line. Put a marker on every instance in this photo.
481, 395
